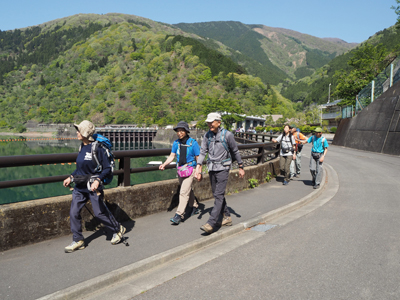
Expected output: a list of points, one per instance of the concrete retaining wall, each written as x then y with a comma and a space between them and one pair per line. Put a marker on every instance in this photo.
38, 220
376, 128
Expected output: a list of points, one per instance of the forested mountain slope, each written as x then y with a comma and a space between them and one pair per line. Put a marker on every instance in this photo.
315, 88
119, 68
276, 49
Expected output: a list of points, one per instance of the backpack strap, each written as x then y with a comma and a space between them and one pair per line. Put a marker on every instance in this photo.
290, 139
95, 146
223, 141
322, 141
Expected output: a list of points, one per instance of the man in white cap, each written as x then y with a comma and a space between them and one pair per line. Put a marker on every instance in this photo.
221, 147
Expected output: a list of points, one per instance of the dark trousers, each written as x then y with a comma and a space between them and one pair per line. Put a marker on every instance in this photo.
100, 211
219, 180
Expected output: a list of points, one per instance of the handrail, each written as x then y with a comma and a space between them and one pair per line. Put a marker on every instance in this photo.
124, 166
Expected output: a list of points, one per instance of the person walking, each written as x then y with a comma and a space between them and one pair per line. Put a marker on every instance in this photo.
221, 148
295, 165
186, 150
88, 187
287, 153
318, 153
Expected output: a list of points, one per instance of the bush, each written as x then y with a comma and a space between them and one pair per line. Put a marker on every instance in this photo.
305, 129
253, 183
276, 129
333, 130
268, 177
259, 128
20, 128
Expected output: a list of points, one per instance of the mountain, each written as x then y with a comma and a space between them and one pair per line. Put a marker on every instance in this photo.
118, 68
276, 49
315, 88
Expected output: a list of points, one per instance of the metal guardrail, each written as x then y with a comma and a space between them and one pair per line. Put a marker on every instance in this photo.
124, 157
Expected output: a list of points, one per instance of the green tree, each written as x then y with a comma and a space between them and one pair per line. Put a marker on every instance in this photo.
42, 81
134, 45
397, 11
123, 117
366, 63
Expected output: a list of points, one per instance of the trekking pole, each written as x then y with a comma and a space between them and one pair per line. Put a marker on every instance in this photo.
97, 221
114, 222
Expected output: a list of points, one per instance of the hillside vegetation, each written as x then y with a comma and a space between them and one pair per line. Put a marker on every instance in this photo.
123, 69
283, 53
315, 88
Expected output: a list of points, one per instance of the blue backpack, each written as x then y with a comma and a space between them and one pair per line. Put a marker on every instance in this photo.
105, 143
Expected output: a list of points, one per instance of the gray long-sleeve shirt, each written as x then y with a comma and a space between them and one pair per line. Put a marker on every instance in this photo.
216, 150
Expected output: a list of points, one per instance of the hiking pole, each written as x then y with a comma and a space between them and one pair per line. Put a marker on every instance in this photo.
114, 222
97, 221
123, 239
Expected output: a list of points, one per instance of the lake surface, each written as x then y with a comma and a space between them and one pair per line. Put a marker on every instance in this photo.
10, 146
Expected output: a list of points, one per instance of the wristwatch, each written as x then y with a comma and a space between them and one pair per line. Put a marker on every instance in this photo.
240, 166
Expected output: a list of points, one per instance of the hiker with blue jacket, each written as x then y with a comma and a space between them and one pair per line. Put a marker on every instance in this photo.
186, 150
221, 147
318, 153
88, 186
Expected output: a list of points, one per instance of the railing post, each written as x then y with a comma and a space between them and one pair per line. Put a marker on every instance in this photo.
125, 178
260, 159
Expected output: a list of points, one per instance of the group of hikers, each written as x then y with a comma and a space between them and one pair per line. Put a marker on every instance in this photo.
220, 148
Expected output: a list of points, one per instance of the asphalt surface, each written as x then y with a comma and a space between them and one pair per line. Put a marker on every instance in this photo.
348, 248
42, 269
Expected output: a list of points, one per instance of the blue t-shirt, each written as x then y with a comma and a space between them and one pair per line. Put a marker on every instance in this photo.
85, 165
317, 144
191, 152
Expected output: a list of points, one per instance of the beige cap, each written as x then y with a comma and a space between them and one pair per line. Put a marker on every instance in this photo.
86, 129
211, 117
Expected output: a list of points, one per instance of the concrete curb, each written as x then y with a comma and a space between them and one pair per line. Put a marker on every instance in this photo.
100, 282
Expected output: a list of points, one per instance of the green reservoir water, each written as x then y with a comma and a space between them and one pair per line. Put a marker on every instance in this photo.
31, 147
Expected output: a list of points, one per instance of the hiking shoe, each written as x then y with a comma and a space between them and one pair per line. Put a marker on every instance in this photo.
226, 221
316, 186
195, 211
117, 237
176, 219
207, 228
285, 182
75, 246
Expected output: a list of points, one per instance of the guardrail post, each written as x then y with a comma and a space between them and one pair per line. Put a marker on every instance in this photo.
391, 75
125, 178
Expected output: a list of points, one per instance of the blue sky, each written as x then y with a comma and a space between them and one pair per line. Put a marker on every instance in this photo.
350, 20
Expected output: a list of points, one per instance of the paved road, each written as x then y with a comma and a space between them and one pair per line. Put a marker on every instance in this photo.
37, 270
347, 249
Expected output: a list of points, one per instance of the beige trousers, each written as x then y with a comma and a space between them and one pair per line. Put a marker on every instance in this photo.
186, 194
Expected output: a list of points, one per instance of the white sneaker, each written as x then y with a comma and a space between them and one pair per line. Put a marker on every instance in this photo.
75, 246
118, 235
